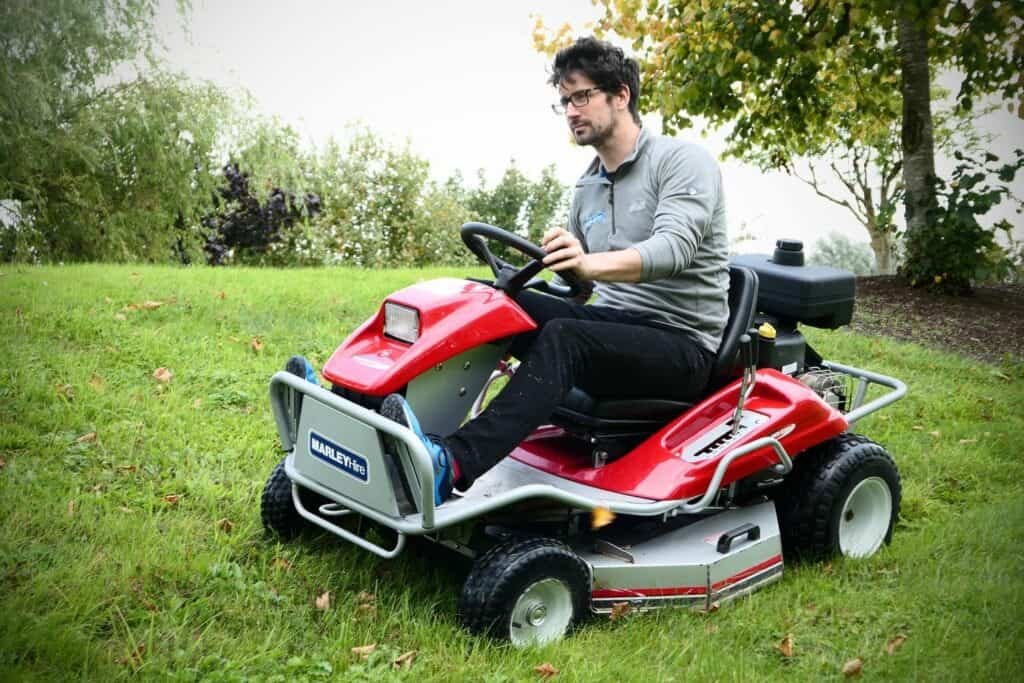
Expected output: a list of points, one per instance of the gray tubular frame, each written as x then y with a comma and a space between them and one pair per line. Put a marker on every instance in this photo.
866, 377
430, 518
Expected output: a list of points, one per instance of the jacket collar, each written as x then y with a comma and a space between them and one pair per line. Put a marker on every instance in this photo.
594, 174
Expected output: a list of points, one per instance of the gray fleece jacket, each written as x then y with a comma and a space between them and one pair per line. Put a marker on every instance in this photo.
666, 202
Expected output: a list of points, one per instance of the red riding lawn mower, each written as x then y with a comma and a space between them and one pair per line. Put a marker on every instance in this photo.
616, 504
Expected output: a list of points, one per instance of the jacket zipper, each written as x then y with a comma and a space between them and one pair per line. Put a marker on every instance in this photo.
611, 201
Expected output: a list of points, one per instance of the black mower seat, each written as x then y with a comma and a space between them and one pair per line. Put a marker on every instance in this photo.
585, 415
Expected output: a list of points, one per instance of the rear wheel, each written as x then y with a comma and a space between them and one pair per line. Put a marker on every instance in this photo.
842, 498
529, 592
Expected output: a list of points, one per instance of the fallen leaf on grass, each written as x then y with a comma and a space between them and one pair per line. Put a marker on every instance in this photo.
225, 525
127, 468
221, 295
364, 651
545, 670
135, 658
97, 382
853, 668
967, 441
65, 391
172, 499
256, 344
71, 508
404, 660
163, 375
786, 646
713, 607
126, 510
918, 428
619, 610
323, 601
710, 627
86, 438
827, 569
935, 433
600, 517
367, 603
895, 644
3, 463
281, 563
198, 403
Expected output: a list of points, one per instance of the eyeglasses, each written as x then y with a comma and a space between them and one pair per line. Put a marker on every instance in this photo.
580, 98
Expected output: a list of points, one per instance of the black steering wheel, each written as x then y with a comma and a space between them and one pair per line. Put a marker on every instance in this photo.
507, 277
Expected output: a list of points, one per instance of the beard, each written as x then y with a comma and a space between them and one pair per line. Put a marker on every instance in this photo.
594, 135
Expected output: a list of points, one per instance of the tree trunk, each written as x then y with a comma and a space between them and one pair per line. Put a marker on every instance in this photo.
918, 145
881, 244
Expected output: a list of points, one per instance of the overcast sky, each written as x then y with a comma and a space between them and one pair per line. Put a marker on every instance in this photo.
460, 80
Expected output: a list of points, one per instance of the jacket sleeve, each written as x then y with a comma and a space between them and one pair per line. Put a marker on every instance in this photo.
689, 183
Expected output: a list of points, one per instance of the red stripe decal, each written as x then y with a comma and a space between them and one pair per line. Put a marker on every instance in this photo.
648, 592
746, 573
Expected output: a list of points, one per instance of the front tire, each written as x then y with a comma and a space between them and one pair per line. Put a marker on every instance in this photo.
842, 498
527, 591
277, 509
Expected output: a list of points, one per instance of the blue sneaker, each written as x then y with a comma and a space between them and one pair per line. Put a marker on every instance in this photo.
397, 409
300, 367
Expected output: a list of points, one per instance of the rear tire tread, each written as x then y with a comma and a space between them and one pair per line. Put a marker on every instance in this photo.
808, 499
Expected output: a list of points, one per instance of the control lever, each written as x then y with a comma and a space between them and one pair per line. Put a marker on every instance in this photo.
749, 378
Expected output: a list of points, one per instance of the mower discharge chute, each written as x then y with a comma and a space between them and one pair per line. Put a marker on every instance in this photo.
705, 497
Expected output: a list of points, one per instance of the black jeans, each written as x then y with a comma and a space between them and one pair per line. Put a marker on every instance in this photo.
605, 352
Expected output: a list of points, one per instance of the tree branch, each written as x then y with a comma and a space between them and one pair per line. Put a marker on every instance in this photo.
815, 185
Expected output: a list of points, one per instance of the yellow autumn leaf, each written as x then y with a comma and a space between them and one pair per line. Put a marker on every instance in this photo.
601, 517
364, 651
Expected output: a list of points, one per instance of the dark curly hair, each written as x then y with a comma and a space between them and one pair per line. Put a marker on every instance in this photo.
604, 64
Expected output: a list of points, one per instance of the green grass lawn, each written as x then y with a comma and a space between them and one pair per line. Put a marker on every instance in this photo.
131, 545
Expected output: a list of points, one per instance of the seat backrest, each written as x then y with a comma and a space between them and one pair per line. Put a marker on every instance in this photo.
742, 307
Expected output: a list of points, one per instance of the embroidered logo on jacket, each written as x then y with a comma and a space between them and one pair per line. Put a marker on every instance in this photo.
593, 218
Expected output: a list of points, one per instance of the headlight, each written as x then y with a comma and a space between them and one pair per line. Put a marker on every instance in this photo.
401, 322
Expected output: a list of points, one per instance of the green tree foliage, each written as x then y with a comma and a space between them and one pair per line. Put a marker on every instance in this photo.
518, 204
962, 249
838, 251
53, 55
371, 193
791, 79
141, 184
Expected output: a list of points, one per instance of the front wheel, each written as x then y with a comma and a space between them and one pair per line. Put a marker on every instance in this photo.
527, 591
277, 509
842, 498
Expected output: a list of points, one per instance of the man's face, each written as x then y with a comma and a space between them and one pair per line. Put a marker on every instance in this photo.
593, 123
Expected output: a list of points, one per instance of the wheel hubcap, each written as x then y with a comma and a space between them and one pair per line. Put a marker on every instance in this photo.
541, 614
864, 519
536, 613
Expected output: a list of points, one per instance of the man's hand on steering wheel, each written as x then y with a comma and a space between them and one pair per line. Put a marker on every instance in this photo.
565, 253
